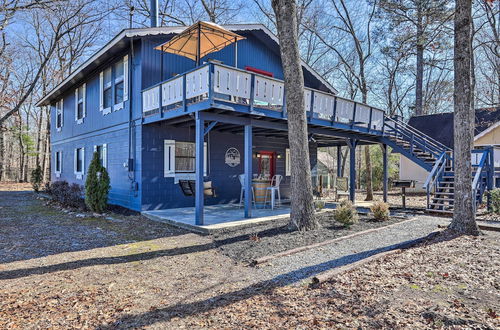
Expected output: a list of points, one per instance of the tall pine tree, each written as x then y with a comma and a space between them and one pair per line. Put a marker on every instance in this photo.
97, 185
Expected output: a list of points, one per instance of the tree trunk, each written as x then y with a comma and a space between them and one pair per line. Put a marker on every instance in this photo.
344, 160
464, 220
368, 179
2, 154
420, 64
302, 208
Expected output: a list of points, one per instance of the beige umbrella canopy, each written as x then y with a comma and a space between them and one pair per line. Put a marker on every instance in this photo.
200, 39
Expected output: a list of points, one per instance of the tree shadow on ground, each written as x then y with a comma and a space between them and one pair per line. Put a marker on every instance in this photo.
193, 308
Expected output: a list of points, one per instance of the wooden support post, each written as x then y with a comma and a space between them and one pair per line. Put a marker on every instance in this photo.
199, 146
248, 171
352, 169
339, 161
385, 169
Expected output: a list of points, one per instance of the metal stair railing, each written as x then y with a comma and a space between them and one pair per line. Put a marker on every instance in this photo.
436, 173
483, 171
416, 138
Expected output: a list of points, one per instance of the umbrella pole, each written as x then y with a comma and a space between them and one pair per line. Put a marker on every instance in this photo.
235, 52
198, 46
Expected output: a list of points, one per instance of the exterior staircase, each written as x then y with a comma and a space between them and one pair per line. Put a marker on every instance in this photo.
437, 159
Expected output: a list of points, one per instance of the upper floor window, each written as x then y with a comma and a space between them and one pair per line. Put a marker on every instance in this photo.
80, 103
119, 82
107, 89
59, 114
114, 86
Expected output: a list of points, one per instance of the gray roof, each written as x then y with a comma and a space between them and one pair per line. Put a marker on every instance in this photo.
439, 126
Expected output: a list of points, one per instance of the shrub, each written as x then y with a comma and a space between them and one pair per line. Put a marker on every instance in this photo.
319, 205
36, 178
97, 186
346, 214
380, 211
69, 195
495, 200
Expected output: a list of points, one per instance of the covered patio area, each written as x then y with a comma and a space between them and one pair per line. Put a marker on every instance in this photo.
216, 217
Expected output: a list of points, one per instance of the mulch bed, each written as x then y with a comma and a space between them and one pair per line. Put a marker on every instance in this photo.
247, 244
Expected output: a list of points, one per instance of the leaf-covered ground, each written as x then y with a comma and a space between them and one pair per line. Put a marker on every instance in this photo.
67, 270
450, 283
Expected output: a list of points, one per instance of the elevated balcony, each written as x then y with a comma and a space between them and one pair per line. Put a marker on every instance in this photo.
217, 86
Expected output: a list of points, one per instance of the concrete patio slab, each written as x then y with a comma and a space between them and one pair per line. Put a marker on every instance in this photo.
216, 217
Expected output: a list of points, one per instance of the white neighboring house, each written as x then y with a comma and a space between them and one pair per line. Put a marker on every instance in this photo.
440, 127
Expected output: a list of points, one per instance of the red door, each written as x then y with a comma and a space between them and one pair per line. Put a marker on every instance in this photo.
267, 163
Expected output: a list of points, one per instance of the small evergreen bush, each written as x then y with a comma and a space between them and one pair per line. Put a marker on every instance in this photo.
380, 211
97, 186
66, 194
495, 200
319, 204
36, 178
346, 213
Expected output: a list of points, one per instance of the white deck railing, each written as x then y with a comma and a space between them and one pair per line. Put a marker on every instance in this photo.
229, 84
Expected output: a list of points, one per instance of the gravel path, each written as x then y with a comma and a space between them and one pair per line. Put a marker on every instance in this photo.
300, 266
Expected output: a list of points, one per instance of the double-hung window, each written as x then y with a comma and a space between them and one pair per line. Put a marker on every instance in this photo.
180, 158
102, 151
58, 163
107, 90
114, 86
79, 162
119, 82
80, 103
59, 115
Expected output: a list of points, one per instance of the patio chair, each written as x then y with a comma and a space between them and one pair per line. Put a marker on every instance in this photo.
275, 187
241, 177
341, 187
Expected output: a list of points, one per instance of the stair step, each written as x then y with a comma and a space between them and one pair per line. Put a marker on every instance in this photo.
442, 199
440, 211
444, 206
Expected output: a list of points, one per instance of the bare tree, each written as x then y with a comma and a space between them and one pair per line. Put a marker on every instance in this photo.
302, 208
423, 25
464, 213
61, 20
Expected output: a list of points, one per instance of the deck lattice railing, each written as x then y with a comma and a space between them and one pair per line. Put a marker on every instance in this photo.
219, 82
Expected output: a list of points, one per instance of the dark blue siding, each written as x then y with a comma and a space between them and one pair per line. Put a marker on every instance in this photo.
251, 52
117, 155
160, 192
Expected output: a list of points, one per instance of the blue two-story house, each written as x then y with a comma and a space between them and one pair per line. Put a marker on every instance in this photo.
157, 117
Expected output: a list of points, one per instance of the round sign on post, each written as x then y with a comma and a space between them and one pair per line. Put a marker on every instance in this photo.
232, 157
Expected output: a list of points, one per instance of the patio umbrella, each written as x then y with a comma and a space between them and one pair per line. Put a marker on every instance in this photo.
200, 39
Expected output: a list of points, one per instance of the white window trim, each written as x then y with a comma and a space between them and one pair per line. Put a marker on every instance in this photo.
288, 170
79, 175
114, 81
77, 101
58, 173
109, 109
59, 128
104, 154
169, 159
